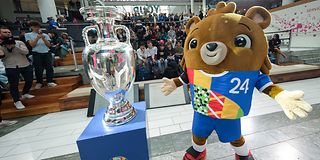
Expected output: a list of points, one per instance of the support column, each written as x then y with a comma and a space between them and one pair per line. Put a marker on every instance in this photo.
204, 7
192, 6
84, 3
47, 9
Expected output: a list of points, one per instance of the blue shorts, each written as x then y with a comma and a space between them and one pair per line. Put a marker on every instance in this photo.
228, 130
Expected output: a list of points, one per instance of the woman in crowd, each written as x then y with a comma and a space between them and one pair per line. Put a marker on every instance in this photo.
162, 56
274, 48
121, 35
141, 54
170, 51
56, 41
163, 34
42, 59
16, 63
65, 44
179, 51
143, 69
180, 35
172, 35
151, 51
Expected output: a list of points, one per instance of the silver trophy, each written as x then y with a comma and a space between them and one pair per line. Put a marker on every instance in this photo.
108, 62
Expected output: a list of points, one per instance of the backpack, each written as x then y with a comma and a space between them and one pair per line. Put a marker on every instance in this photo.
172, 70
156, 72
143, 73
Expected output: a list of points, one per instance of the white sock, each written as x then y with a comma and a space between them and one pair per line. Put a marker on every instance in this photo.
198, 148
242, 150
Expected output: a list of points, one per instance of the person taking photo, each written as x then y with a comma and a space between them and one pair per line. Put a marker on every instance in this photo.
42, 58
16, 63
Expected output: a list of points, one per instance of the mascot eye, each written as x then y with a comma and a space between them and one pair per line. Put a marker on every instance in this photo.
242, 40
193, 43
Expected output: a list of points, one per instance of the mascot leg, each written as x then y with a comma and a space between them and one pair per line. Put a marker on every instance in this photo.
198, 149
202, 127
241, 148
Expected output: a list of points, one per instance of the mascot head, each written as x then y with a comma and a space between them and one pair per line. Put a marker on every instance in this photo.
225, 41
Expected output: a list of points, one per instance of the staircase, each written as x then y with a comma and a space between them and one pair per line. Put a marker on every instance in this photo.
78, 98
68, 60
307, 56
46, 99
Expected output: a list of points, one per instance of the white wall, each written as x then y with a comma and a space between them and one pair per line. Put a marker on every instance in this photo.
303, 19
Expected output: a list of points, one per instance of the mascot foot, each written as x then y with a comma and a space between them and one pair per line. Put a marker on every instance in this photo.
192, 154
249, 157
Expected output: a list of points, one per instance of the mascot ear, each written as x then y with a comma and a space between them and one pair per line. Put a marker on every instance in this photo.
192, 23
260, 15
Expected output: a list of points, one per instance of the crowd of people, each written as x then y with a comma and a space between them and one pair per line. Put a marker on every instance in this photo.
158, 41
159, 47
27, 57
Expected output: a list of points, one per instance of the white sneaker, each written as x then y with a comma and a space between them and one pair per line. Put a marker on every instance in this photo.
19, 105
27, 96
38, 86
5, 123
51, 84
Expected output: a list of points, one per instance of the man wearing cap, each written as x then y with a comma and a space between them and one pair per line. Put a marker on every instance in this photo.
42, 59
16, 63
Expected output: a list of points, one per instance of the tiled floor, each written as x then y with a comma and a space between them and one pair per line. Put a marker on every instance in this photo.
279, 139
162, 118
55, 134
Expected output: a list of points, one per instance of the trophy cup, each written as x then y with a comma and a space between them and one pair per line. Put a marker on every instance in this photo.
109, 63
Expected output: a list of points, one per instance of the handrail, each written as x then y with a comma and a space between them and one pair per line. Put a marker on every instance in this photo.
76, 68
289, 30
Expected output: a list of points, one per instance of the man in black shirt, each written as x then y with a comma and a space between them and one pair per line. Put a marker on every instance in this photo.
274, 48
140, 31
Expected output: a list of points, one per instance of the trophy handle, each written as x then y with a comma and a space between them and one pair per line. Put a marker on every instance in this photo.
116, 27
85, 33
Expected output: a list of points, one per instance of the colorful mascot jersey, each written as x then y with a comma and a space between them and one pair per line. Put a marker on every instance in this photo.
227, 95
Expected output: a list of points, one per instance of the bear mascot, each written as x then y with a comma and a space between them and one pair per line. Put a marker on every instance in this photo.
225, 58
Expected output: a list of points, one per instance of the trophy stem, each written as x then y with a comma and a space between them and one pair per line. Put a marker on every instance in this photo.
119, 112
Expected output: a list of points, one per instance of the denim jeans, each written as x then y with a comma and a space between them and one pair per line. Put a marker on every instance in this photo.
13, 77
3, 78
162, 64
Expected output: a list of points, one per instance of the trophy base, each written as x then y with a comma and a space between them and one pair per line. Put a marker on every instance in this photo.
120, 118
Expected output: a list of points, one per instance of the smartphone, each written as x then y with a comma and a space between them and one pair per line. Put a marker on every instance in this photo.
41, 30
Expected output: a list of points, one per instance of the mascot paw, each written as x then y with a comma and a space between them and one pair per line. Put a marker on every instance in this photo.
168, 86
292, 104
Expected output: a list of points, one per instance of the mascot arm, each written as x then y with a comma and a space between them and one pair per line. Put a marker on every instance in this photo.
290, 101
169, 85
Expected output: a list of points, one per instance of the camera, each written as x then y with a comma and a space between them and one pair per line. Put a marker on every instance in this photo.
8, 41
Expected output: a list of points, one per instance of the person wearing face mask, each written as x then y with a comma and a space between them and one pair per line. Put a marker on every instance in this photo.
16, 63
